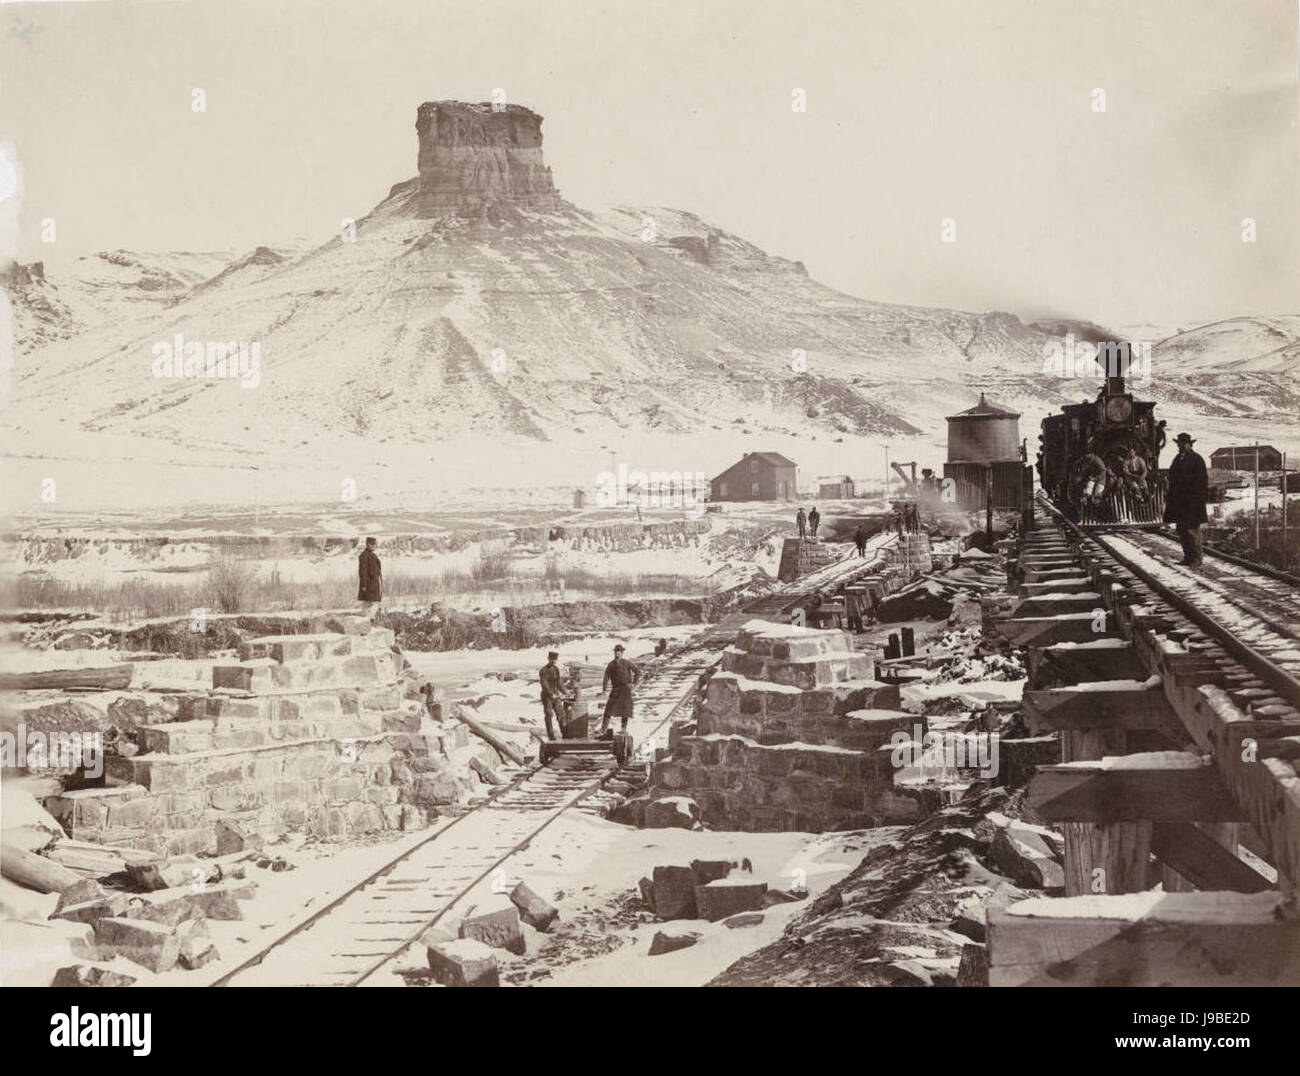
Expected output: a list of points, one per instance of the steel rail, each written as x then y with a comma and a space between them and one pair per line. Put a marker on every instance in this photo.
1276, 677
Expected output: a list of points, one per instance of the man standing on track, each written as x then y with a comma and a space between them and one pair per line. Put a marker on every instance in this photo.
552, 695
860, 537
620, 677
1185, 504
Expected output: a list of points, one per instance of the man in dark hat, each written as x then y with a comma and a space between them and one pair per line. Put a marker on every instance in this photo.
814, 517
1189, 486
620, 676
801, 521
369, 580
552, 695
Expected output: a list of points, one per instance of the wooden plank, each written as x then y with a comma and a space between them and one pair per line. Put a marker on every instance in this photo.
1073, 663
1133, 791
35, 872
1268, 789
1108, 858
499, 744
1202, 860
1055, 603
1156, 939
1044, 631
97, 863
1108, 704
108, 678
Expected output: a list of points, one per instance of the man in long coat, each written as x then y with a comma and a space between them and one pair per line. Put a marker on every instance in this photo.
370, 589
801, 521
1185, 503
620, 676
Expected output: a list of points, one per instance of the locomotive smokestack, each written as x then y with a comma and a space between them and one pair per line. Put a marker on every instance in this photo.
1115, 358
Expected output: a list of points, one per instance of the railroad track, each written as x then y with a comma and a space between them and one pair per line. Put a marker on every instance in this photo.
1253, 615
1220, 645
362, 929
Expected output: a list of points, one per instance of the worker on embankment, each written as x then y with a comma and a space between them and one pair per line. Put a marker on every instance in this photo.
801, 521
814, 517
370, 572
1189, 487
620, 677
552, 695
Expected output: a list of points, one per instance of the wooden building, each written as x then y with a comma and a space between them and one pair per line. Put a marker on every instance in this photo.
759, 476
1242, 458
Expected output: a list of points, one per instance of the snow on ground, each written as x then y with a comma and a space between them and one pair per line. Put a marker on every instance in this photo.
604, 931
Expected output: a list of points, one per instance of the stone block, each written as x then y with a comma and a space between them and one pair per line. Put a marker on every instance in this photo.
647, 888
669, 941
79, 892
151, 945
463, 962
109, 906
728, 896
680, 812
744, 919
710, 870
494, 921
537, 912
674, 892
90, 975
196, 948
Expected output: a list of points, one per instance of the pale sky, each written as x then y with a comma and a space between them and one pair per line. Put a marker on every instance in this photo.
917, 110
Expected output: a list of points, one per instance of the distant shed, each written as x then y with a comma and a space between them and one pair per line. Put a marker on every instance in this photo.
838, 488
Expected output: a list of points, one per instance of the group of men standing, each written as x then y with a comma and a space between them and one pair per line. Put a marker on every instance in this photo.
620, 677
807, 521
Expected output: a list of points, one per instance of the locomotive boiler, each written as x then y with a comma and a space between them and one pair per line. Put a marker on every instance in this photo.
1099, 460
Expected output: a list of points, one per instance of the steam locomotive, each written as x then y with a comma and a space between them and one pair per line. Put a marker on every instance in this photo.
1099, 460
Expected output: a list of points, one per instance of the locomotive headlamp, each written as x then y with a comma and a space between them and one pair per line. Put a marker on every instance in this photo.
1119, 409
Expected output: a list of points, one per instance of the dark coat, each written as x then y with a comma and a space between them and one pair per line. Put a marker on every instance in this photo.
552, 681
371, 577
1189, 486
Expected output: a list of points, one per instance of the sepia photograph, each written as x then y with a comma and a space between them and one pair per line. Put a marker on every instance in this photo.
672, 493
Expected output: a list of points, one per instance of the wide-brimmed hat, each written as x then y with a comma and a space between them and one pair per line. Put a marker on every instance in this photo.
1185, 437
619, 647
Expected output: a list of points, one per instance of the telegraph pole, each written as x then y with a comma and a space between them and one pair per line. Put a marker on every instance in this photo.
1285, 558
1256, 496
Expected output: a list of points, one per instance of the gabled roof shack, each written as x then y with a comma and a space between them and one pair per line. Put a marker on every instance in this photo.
774, 458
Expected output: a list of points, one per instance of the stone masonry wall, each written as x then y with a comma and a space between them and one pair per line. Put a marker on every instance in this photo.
792, 734
307, 732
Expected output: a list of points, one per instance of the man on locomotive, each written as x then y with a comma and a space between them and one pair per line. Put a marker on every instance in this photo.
1185, 502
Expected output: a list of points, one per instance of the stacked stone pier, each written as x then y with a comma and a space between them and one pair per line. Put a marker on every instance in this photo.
304, 732
803, 556
793, 734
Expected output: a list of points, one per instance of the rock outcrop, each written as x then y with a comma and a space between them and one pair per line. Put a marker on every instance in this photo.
473, 157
